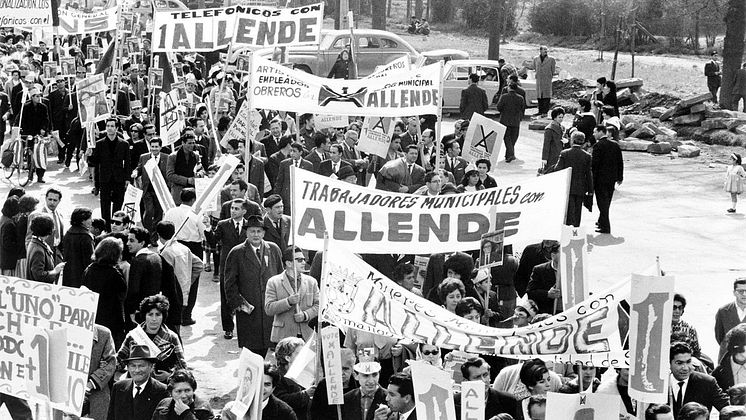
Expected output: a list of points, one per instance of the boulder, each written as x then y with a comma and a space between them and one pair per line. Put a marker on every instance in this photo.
697, 108
657, 111
662, 148
664, 138
538, 125
718, 113
675, 143
741, 129
632, 144
653, 127
629, 118
687, 151
668, 114
694, 100
625, 97
714, 123
690, 119
644, 132
732, 123
631, 128
666, 131
633, 83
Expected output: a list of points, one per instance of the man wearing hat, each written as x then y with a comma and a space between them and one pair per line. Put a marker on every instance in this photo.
347, 174
248, 268
59, 107
137, 397
276, 223
362, 402
292, 298
229, 233
35, 122
17, 96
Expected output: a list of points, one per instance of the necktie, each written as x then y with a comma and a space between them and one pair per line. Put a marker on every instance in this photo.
453, 163
409, 168
238, 228
259, 254
57, 229
335, 168
278, 226
680, 395
138, 390
366, 401
297, 163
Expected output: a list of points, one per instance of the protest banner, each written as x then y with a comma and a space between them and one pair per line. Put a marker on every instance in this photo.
172, 117
25, 13
252, 26
92, 103
303, 368
227, 164
483, 139
246, 120
381, 222
433, 394
131, 203
141, 338
248, 402
29, 308
573, 265
332, 365
330, 121
491, 249
399, 64
200, 187
420, 270
355, 295
472, 400
75, 22
651, 310
162, 192
375, 135
581, 406
275, 86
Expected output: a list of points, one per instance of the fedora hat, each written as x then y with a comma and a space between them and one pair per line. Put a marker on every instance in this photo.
140, 353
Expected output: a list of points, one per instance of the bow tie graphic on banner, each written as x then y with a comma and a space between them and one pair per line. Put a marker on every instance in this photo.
327, 94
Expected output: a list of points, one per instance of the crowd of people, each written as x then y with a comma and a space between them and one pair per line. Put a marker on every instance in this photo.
147, 274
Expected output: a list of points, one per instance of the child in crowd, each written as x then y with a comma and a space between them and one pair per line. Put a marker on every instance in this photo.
734, 180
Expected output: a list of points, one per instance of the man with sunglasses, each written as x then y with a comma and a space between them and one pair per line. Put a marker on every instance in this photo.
35, 122
292, 298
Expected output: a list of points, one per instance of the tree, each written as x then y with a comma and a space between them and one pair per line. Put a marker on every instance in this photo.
735, 29
418, 9
379, 14
496, 15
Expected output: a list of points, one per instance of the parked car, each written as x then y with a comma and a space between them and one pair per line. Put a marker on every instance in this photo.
373, 48
456, 78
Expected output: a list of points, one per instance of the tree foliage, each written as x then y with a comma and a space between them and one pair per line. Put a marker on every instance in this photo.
564, 17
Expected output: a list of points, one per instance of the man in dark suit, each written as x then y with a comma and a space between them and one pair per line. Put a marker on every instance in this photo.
276, 225
713, 73
238, 189
455, 164
152, 212
112, 160
511, 107
59, 102
320, 152
275, 409
412, 135
399, 399
735, 357
608, 170
137, 397
354, 157
229, 233
402, 175
282, 185
180, 168
320, 408
686, 385
543, 288
473, 99
248, 267
272, 141
255, 173
457, 132
145, 270
581, 183
272, 167
332, 165
477, 369
728, 316
361, 402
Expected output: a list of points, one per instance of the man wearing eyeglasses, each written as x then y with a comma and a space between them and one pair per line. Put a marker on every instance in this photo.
730, 315
292, 298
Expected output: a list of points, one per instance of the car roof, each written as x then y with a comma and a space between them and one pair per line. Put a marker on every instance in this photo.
359, 32
472, 63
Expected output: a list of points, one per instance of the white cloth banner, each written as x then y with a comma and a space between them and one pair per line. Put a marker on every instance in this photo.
245, 125
173, 117
483, 139
227, 164
32, 312
74, 22
573, 265
330, 121
253, 26
25, 13
355, 295
381, 222
200, 187
433, 392
159, 186
375, 136
332, 365
303, 368
651, 303
131, 203
582, 406
275, 86
399, 64
472, 400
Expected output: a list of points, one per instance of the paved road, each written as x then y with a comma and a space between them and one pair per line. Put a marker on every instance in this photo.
672, 208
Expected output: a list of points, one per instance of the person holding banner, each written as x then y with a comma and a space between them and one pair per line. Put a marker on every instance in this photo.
320, 407
496, 402
151, 208
287, 389
181, 168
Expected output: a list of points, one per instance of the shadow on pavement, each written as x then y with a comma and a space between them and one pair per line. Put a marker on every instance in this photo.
606, 240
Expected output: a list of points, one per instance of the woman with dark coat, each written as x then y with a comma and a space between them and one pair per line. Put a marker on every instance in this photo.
183, 404
341, 68
40, 263
27, 206
610, 96
9, 243
77, 246
105, 278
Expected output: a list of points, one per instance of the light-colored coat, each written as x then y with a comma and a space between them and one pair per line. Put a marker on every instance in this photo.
544, 72
101, 369
276, 304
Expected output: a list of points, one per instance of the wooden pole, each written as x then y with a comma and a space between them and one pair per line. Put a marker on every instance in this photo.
439, 123
249, 101
632, 36
616, 49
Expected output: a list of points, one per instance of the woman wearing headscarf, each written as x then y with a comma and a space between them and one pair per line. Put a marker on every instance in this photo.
341, 67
